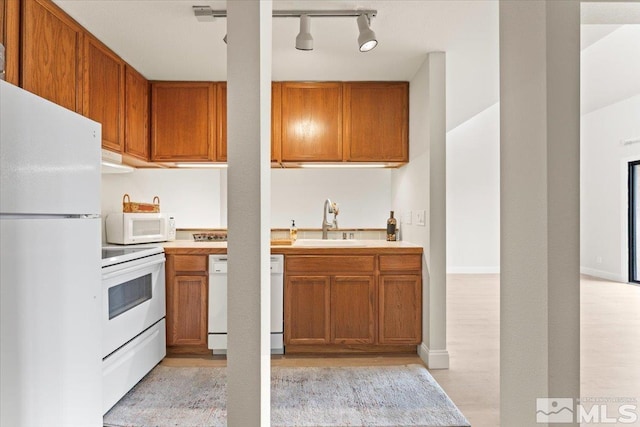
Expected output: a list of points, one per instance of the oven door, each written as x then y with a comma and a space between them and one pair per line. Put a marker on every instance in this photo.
133, 299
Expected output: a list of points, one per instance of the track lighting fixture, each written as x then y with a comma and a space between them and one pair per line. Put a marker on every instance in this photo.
367, 38
304, 41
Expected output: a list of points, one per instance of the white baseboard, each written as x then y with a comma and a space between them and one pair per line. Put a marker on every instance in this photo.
603, 274
474, 270
434, 359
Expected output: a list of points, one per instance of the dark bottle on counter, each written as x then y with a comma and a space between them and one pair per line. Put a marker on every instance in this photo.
391, 228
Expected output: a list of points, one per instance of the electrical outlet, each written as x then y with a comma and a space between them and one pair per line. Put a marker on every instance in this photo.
407, 217
599, 259
421, 217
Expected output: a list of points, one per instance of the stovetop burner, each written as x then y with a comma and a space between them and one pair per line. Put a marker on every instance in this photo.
210, 237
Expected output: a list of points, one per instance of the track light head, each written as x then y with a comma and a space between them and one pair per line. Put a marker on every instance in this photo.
304, 40
224, 39
367, 39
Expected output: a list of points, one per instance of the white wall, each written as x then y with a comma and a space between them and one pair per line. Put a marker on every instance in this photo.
609, 70
363, 197
198, 197
604, 187
473, 194
410, 183
420, 185
193, 195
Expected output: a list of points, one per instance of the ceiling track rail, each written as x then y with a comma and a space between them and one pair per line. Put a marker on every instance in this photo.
207, 11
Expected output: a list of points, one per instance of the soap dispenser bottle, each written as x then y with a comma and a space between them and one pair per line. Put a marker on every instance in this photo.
293, 231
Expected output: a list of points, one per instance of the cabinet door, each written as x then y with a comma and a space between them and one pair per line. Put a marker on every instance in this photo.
400, 309
136, 114
10, 38
183, 126
306, 310
51, 54
352, 310
187, 310
3, 22
221, 140
376, 121
103, 96
276, 122
311, 121
276, 102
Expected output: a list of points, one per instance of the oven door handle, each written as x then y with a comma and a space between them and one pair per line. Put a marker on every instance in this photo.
133, 268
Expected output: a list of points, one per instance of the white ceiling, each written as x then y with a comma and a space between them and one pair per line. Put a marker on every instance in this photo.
164, 41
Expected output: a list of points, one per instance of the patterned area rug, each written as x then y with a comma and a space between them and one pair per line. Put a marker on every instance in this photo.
345, 396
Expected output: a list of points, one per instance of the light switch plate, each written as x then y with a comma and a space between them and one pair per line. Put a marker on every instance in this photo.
407, 217
421, 217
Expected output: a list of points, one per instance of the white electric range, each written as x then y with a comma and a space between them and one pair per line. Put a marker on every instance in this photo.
133, 317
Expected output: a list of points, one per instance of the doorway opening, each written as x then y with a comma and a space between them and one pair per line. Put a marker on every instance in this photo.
634, 221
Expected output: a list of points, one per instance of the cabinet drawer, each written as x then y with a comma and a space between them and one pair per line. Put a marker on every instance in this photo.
195, 263
330, 264
400, 262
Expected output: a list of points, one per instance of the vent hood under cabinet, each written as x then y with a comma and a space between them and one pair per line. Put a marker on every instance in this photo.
112, 163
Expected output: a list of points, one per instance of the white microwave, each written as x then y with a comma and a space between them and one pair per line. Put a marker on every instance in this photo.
132, 228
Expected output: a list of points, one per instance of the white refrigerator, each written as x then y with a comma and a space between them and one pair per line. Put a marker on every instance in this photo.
50, 274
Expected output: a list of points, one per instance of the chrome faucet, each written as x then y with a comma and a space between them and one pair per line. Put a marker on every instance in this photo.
331, 208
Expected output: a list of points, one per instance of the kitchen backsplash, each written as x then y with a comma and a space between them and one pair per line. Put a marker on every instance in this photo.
279, 233
198, 197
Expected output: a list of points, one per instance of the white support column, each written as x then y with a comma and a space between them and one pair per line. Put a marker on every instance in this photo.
249, 183
434, 347
540, 206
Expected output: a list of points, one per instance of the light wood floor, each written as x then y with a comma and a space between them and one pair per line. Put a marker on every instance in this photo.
610, 345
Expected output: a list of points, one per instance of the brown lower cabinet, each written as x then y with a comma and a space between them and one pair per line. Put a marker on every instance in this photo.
400, 308
307, 312
352, 310
347, 303
187, 292
352, 303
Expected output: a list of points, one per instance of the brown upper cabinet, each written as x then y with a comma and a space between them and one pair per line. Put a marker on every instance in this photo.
103, 96
10, 38
350, 122
276, 122
311, 121
221, 141
276, 108
3, 23
136, 114
51, 55
376, 121
51, 63
183, 121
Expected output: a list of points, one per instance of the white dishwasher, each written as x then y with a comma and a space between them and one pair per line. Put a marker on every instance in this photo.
217, 340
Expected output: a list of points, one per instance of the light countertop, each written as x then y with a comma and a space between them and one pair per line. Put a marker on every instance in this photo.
301, 246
